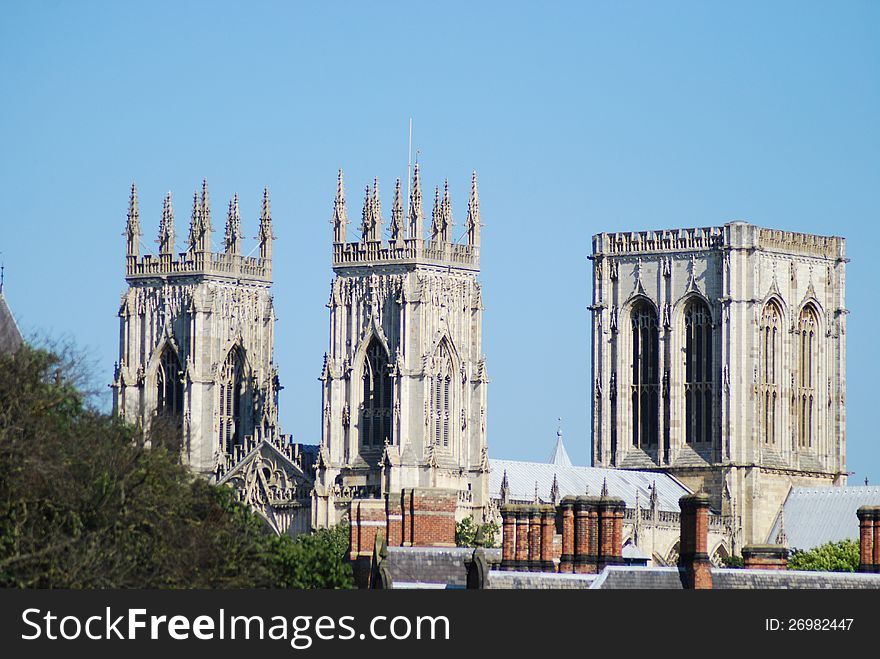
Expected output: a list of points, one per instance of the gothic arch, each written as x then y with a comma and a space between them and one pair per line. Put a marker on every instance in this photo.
443, 395
718, 554
808, 356
771, 346
699, 370
377, 397
231, 383
642, 348
672, 554
681, 304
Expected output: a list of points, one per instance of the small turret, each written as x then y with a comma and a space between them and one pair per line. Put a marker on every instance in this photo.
371, 222
133, 227
441, 227
266, 236
232, 241
340, 216
200, 225
473, 217
416, 216
397, 229
166, 227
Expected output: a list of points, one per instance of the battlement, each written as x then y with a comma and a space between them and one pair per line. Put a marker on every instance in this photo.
733, 235
407, 243
665, 240
411, 250
199, 258
201, 263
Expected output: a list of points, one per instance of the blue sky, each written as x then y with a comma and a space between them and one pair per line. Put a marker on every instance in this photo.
578, 117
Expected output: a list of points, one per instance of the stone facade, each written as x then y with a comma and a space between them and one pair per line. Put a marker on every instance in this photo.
719, 357
196, 351
404, 380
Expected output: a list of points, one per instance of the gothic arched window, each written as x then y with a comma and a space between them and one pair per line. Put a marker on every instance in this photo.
231, 383
441, 396
645, 374
808, 324
169, 386
771, 337
698, 376
376, 409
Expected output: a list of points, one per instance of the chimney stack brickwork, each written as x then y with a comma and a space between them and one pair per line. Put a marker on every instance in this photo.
869, 538
694, 559
765, 557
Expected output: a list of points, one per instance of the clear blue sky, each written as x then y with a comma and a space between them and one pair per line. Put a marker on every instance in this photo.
578, 117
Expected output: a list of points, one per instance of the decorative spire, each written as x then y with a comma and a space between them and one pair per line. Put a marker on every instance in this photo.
559, 455
604, 491
266, 235
206, 208
446, 212
200, 225
195, 223
554, 491
416, 216
505, 488
133, 225
473, 216
537, 498
436, 217
340, 216
232, 241
371, 222
397, 230
166, 227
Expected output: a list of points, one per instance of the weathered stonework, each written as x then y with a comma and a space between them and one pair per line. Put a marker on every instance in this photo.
719, 357
404, 381
196, 350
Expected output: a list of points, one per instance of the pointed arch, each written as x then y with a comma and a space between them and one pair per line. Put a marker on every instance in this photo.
699, 379
442, 395
807, 338
645, 388
231, 382
169, 385
771, 336
377, 402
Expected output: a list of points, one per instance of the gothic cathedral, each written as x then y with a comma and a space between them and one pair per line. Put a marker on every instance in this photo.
404, 381
719, 358
196, 353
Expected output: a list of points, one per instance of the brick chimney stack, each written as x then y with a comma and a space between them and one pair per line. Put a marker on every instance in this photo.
869, 538
693, 559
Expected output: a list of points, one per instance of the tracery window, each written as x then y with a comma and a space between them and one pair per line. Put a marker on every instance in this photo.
771, 333
231, 383
698, 378
645, 392
377, 403
169, 386
808, 324
441, 396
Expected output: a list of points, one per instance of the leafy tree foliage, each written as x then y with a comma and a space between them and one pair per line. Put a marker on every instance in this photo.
840, 556
83, 504
470, 534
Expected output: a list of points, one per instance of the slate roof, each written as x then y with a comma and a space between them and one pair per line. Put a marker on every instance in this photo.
560, 455
815, 515
10, 335
623, 577
522, 476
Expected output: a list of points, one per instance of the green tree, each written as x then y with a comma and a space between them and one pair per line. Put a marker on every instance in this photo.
470, 534
84, 505
840, 556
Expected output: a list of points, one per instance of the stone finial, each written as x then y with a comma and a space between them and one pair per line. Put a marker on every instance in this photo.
166, 227
266, 235
397, 229
604, 491
340, 216
554, 491
195, 223
473, 216
505, 488
206, 206
133, 225
416, 215
232, 241
371, 221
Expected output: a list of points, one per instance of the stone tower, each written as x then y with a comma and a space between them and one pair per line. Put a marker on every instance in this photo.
404, 381
719, 357
196, 352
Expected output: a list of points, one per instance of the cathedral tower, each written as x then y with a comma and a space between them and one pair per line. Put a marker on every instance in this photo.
196, 352
404, 381
719, 357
